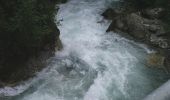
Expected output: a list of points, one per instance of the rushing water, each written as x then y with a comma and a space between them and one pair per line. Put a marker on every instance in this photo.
94, 65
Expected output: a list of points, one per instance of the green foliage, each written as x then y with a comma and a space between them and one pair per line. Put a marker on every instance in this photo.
26, 26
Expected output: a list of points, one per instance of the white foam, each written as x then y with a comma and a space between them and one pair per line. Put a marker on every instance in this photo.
86, 40
12, 91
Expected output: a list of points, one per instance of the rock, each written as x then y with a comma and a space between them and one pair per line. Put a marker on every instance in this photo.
159, 41
1, 84
156, 60
110, 14
58, 44
152, 31
154, 13
118, 23
136, 26
132, 24
167, 61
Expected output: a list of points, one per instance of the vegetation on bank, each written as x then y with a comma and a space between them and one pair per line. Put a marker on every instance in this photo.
26, 28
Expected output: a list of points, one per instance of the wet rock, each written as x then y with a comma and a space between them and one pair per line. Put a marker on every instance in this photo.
144, 25
1, 84
154, 13
73, 66
132, 24
151, 31
136, 26
167, 61
156, 60
159, 41
111, 13
118, 23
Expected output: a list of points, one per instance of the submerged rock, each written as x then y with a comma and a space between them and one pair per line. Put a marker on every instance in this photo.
72, 66
156, 60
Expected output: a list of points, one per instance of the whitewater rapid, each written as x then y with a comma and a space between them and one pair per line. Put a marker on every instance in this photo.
93, 65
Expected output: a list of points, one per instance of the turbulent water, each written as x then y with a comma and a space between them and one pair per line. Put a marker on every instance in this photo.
94, 65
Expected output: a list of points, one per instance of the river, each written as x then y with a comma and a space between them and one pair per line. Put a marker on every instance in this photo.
94, 65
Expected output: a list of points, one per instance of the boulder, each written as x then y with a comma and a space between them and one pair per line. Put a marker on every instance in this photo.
152, 31
136, 26
110, 13
119, 23
154, 13
132, 24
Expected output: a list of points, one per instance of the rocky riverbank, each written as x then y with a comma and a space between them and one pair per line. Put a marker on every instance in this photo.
144, 26
26, 53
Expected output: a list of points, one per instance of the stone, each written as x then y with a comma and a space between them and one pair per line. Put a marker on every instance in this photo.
156, 60
154, 13
151, 31
136, 26
1, 84
167, 61
159, 41
110, 13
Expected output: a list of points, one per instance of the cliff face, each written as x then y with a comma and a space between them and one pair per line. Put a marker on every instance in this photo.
28, 37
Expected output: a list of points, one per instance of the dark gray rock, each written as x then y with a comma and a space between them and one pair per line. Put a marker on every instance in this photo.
167, 61
150, 30
154, 13
118, 22
110, 14
136, 26
146, 26
159, 41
